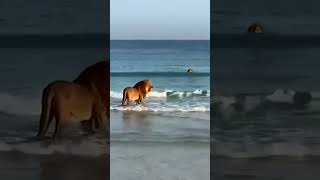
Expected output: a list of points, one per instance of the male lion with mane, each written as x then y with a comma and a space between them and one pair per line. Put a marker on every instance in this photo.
67, 102
137, 93
98, 75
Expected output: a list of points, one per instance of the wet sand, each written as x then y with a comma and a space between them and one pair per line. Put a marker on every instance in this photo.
17, 165
269, 168
147, 146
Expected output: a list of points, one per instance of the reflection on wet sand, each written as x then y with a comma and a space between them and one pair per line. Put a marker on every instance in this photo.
140, 118
74, 167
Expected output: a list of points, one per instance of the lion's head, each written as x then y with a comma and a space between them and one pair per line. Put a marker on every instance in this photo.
98, 75
144, 86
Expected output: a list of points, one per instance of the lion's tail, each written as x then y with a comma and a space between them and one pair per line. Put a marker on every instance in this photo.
124, 96
45, 110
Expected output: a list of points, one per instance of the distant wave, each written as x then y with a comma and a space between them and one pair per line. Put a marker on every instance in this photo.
285, 99
159, 74
264, 40
255, 150
19, 105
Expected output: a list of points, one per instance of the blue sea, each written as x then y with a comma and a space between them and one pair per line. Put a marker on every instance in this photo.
171, 133
259, 129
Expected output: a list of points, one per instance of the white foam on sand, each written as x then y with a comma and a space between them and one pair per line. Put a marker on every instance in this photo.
167, 94
88, 147
167, 101
118, 95
165, 107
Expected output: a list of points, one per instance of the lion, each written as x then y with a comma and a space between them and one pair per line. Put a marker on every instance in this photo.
137, 93
98, 75
67, 103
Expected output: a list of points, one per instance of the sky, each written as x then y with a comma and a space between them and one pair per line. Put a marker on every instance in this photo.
159, 19
53, 17
277, 16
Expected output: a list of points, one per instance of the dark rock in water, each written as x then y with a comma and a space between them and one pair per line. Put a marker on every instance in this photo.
302, 98
255, 28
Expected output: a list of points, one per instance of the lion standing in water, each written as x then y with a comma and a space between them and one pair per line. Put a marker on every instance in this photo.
96, 77
67, 102
137, 93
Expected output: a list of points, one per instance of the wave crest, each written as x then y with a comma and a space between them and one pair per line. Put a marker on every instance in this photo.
279, 99
19, 105
88, 147
169, 94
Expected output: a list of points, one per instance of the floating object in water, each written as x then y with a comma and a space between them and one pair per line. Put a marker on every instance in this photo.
255, 28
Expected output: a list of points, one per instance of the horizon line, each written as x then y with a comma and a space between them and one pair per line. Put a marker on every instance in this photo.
159, 39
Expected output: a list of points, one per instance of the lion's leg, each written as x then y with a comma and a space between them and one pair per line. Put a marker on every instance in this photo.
96, 123
51, 116
41, 125
124, 97
126, 101
92, 125
102, 118
141, 99
88, 126
57, 128
60, 119
123, 101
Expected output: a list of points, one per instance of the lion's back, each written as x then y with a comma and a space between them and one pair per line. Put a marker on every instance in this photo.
132, 93
71, 98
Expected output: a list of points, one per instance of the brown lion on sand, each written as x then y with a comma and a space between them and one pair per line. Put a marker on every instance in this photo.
68, 102
137, 93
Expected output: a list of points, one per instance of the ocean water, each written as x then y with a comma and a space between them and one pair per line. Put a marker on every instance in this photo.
259, 128
171, 133
24, 72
